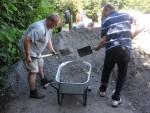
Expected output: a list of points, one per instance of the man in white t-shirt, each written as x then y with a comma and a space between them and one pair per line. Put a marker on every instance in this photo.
84, 23
36, 38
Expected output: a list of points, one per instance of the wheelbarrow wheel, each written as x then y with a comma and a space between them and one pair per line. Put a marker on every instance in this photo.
59, 97
85, 97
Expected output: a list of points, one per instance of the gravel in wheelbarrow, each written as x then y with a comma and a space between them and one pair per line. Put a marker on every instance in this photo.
74, 72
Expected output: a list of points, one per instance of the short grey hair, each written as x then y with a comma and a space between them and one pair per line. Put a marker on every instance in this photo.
51, 16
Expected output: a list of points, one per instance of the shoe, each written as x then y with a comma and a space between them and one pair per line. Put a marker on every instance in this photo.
45, 83
102, 94
102, 91
89, 88
116, 103
36, 95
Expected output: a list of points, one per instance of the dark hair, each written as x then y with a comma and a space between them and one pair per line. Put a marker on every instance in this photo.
109, 6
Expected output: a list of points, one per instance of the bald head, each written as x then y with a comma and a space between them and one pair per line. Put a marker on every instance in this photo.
52, 20
107, 9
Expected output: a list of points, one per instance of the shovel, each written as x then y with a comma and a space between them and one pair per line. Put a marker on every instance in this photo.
62, 52
85, 51
65, 52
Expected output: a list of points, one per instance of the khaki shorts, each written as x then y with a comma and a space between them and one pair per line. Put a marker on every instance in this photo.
34, 65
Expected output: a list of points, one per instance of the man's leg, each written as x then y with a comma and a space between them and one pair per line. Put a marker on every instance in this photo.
32, 85
41, 68
33, 69
108, 66
44, 81
122, 63
122, 72
32, 80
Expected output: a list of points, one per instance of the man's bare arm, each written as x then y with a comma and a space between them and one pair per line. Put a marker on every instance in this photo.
101, 43
136, 29
136, 32
50, 46
27, 45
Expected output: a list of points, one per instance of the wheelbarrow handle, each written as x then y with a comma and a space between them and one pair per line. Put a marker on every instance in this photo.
53, 84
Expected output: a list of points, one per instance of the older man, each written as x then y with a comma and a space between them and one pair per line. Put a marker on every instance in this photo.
116, 36
33, 42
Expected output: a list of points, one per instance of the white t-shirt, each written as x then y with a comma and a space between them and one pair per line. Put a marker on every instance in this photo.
40, 35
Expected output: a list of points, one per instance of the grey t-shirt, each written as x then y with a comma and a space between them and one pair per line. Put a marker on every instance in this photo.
39, 35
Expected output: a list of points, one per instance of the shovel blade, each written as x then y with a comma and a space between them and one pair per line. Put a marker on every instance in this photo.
85, 51
65, 52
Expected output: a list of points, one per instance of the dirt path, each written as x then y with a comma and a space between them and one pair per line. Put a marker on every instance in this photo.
96, 104
21, 103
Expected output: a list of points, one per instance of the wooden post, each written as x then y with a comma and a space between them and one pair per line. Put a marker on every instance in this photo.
70, 22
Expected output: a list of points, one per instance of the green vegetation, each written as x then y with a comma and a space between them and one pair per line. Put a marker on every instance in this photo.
141, 5
16, 15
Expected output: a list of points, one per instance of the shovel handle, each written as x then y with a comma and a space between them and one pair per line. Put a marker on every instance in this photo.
47, 55
43, 56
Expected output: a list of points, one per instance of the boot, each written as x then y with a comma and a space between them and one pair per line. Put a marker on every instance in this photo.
36, 95
45, 82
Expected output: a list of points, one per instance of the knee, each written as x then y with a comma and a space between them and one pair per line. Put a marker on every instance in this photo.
32, 73
41, 62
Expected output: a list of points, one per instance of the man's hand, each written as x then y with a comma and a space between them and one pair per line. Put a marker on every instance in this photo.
54, 52
101, 43
28, 60
136, 29
50, 47
95, 48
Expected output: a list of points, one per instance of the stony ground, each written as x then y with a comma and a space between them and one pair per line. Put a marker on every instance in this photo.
135, 95
74, 72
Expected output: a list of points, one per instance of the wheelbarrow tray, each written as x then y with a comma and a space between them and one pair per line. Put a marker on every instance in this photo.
72, 88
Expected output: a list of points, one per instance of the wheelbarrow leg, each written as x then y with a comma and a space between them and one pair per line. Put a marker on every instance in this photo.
85, 97
59, 97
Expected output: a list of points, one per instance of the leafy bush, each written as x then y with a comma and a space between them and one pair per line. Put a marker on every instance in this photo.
45, 8
8, 43
62, 5
15, 16
91, 8
141, 5
119, 4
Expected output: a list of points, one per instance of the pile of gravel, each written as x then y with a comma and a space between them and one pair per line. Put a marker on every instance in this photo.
74, 72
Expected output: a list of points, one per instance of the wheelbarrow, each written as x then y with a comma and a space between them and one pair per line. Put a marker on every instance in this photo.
67, 88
